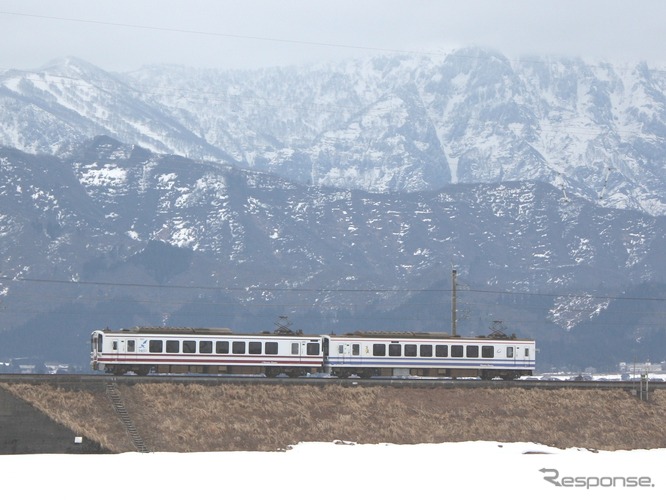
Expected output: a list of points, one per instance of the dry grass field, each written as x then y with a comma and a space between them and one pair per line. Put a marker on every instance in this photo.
191, 417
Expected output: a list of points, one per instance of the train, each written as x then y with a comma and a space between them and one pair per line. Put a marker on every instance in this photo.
218, 351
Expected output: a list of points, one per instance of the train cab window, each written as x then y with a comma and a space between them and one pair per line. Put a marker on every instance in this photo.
205, 346
155, 346
313, 349
356, 349
379, 349
442, 351
172, 346
395, 350
189, 346
472, 351
410, 350
295, 348
509, 352
487, 351
271, 347
238, 347
222, 347
456, 351
254, 348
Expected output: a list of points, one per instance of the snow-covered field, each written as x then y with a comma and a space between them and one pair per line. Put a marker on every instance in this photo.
342, 470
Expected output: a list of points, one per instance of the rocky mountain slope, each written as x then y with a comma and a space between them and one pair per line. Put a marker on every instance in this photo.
395, 123
114, 235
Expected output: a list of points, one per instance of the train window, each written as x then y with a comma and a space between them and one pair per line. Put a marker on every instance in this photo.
295, 348
341, 349
410, 350
313, 348
441, 351
114, 345
222, 347
395, 350
527, 351
131, 345
456, 351
238, 347
509, 352
379, 349
356, 349
172, 346
189, 346
155, 346
472, 351
271, 348
205, 346
487, 351
425, 351
254, 348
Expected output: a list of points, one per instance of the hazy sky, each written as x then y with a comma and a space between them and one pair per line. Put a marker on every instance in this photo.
123, 35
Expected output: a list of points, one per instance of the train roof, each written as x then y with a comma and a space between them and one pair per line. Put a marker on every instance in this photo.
425, 335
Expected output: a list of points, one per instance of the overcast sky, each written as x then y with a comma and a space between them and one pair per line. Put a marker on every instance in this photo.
122, 35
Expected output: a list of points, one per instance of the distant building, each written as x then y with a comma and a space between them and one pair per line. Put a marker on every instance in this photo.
639, 368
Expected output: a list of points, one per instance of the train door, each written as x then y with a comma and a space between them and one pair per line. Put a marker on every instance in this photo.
297, 351
350, 353
125, 349
519, 354
522, 355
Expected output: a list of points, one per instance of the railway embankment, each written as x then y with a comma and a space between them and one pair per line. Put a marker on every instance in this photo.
195, 417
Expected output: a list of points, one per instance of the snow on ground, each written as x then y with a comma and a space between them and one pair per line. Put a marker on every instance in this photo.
332, 471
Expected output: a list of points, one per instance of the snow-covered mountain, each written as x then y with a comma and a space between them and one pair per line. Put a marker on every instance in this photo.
117, 235
394, 123
341, 195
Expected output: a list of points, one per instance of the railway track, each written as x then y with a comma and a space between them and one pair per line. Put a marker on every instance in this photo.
100, 381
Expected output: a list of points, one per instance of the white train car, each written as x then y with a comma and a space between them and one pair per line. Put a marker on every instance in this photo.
368, 354
202, 350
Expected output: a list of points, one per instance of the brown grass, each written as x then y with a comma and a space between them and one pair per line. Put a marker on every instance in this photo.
186, 418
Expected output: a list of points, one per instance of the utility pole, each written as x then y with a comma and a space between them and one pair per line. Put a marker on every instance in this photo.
454, 321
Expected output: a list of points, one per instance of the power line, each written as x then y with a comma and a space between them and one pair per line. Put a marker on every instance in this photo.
250, 289
215, 33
